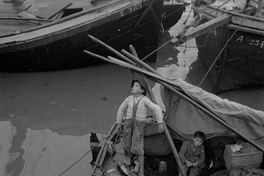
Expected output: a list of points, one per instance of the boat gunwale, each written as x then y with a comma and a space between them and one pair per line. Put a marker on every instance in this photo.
213, 12
76, 15
47, 36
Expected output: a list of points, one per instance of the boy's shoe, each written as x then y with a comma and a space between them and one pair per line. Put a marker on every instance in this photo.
135, 169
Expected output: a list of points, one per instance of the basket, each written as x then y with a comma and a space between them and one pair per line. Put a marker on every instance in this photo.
247, 156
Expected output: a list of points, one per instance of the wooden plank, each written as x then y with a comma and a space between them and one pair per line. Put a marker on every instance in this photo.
53, 9
208, 26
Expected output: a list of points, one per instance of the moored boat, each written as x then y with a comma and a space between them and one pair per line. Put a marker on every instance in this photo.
172, 12
188, 109
51, 35
234, 52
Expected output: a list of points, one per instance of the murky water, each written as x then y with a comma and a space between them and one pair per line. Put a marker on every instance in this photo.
46, 119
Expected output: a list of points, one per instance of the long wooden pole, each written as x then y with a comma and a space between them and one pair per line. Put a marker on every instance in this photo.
112, 49
170, 85
143, 64
174, 150
152, 97
167, 133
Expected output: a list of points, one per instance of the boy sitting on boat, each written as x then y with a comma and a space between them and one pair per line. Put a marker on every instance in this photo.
135, 107
192, 154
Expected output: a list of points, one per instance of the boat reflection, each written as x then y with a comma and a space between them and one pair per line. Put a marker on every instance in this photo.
28, 152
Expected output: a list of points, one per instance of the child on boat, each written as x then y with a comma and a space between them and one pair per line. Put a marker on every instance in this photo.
192, 154
135, 107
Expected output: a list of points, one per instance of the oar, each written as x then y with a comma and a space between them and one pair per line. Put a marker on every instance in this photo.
161, 80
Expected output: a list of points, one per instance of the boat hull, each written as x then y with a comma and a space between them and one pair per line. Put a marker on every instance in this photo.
240, 61
172, 13
64, 49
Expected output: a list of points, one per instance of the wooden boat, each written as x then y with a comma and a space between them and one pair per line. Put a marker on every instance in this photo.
52, 34
182, 125
235, 50
172, 12
188, 109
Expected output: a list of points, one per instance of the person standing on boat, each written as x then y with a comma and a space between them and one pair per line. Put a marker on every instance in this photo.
192, 154
136, 106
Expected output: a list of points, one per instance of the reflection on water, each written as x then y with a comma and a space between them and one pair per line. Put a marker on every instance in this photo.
28, 152
47, 117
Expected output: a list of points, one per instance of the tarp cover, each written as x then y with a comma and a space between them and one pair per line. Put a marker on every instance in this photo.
184, 118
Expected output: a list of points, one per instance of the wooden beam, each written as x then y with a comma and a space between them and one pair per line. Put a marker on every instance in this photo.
208, 26
50, 11
259, 9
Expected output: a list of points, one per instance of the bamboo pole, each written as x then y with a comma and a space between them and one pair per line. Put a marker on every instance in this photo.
152, 97
133, 51
144, 65
98, 56
112, 49
135, 59
168, 85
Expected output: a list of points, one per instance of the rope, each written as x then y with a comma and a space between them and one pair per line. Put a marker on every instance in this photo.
173, 11
179, 36
83, 156
216, 59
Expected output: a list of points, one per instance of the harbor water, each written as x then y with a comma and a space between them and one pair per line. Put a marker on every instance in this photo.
46, 118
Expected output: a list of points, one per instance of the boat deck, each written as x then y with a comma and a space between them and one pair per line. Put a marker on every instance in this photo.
16, 15
12, 8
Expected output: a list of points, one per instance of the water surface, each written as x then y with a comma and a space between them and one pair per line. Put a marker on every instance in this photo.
46, 118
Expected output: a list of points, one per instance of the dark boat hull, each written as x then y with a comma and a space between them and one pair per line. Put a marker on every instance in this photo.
172, 14
66, 51
240, 62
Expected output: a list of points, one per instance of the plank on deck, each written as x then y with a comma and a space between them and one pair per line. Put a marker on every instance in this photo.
48, 12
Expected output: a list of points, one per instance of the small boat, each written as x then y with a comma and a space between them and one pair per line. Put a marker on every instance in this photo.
234, 52
42, 35
188, 109
172, 12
